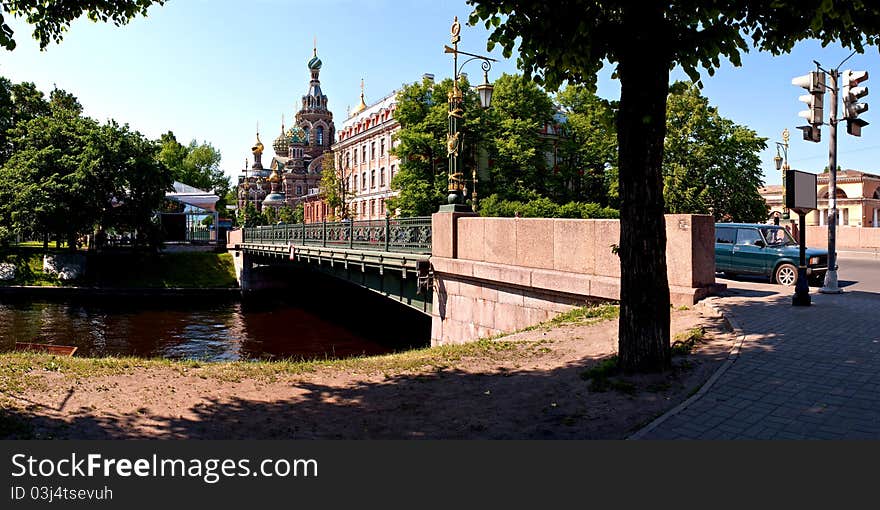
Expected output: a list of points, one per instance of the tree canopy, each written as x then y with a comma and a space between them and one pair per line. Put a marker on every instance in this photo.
710, 165
51, 19
571, 41
196, 164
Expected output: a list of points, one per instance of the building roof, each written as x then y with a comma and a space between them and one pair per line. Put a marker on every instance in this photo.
192, 196
385, 103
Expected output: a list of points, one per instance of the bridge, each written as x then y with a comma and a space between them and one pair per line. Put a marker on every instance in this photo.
477, 277
384, 256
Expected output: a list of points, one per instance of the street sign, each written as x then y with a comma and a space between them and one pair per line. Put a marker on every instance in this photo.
800, 191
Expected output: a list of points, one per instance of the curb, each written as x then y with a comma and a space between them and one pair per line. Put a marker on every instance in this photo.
731, 359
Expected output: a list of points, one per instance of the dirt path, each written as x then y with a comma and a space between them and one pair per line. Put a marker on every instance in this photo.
532, 391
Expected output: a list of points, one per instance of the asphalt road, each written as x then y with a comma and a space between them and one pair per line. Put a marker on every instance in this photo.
858, 272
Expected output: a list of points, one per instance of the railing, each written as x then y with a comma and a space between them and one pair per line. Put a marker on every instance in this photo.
406, 235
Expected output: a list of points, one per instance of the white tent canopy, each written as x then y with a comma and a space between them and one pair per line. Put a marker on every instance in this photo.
193, 196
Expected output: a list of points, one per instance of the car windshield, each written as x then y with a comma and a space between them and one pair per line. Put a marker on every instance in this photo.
778, 237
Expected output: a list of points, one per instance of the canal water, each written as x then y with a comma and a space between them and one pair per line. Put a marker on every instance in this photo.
266, 328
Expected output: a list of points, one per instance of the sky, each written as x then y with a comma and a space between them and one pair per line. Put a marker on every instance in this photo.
215, 70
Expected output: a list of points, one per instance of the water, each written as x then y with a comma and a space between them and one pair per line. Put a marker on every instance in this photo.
272, 328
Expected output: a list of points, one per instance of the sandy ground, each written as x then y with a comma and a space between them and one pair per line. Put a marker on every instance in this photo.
532, 392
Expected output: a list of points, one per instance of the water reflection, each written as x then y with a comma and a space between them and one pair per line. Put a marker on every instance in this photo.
269, 329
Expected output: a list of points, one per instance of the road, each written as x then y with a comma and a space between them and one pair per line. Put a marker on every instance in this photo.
858, 272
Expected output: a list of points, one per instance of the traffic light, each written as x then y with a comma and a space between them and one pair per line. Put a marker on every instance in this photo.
815, 100
852, 92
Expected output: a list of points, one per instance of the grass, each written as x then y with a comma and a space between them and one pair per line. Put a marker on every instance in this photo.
17, 368
130, 270
684, 343
602, 377
585, 314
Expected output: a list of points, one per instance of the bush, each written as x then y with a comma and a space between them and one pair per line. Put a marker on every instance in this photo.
494, 206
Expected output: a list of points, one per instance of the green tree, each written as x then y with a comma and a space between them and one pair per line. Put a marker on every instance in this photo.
710, 163
572, 41
197, 165
422, 181
51, 19
520, 109
286, 214
334, 187
589, 147
299, 213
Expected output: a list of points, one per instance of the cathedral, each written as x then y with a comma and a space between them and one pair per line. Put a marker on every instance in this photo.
295, 169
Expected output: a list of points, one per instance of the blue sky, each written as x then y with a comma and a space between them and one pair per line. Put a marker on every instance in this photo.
212, 69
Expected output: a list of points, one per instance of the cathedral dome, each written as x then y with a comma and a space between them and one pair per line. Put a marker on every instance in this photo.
315, 62
281, 144
296, 136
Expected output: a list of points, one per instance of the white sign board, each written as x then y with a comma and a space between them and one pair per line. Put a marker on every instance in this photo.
800, 191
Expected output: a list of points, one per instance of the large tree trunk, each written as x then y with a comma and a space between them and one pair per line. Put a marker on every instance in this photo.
641, 127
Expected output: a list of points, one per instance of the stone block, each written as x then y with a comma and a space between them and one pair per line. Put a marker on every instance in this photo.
605, 288
574, 245
607, 233
500, 240
510, 297
512, 275
509, 318
485, 313
534, 242
571, 283
471, 239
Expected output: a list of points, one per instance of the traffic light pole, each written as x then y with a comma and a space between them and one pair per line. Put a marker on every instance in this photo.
830, 286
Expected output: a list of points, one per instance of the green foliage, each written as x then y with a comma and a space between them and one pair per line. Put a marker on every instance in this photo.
270, 216
334, 187
710, 163
51, 19
299, 213
286, 214
541, 207
196, 164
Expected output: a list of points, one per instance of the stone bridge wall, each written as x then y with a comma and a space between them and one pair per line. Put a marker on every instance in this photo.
498, 275
858, 238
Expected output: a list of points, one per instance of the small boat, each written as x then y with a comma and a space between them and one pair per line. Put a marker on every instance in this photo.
59, 350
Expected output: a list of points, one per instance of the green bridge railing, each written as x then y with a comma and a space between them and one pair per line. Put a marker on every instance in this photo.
404, 235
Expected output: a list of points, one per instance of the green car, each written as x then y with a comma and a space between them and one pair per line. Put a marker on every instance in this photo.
764, 250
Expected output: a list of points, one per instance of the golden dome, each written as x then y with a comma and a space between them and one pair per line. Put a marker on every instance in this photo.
363, 106
274, 177
258, 147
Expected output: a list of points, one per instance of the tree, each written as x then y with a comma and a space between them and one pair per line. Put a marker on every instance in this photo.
520, 109
420, 144
196, 164
589, 147
710, 164
51, 19
571, 41
334, 187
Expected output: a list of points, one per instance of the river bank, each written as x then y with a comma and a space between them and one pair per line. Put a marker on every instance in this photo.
547, 382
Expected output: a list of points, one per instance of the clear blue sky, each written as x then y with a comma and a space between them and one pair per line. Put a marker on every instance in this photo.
212, 69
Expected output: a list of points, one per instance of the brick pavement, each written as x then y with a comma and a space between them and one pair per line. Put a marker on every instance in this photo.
801, 373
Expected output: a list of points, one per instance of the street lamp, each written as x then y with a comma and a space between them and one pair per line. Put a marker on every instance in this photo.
782, 165
454, 144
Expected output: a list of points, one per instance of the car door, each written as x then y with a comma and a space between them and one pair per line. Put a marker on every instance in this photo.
748, 257
725, 237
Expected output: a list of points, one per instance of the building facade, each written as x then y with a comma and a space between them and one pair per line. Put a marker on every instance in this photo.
858, 199
364, 160
295, 169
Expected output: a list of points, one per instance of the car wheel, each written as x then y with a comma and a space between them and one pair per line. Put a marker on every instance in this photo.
786, 274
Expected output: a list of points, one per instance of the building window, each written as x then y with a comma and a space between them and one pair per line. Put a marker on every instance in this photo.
372, 178
306, 130
373, 151
392, 171
364, 180
352, 183
319, 137
382, 177
382, 148
372, 208
364, 153
299, 190
355, 157
382, 207
348, 159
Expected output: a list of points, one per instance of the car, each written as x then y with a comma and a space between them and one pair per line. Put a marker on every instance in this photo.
764, 250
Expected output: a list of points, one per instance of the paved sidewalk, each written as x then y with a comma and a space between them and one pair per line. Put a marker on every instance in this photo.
801, 373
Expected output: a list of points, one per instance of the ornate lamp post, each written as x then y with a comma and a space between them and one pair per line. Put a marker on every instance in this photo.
454, 144
782, 165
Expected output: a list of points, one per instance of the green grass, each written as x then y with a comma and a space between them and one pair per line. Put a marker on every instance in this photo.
684, 343
578, 315
602, 377
130, 270
17, 368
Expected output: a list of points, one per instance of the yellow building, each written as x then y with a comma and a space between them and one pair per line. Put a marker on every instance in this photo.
858, 199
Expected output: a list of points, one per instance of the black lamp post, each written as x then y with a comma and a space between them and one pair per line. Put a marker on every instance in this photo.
782, 165
454, 144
